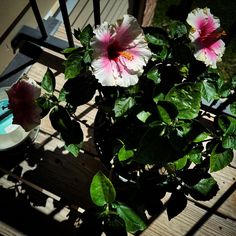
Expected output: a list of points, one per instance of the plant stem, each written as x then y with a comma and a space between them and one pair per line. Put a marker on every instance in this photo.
82, 122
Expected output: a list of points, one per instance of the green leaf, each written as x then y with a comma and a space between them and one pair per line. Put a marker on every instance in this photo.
102, 190
87, 57
154, 75
233, 108
154, 40
195, 155
77, 33
184, 71
192, 176
86, 35
45, 104
73, 66
122, 105
62, 95
205, 186
143, 115
124, 155
176, 204
223, 122
73, 137
167, 111
209, 91
187, 98
155, 148
201, 137
229, 141
74, 149
49, 82
80, 90
114, 226
164, 116
224, 87
181, 53
60, 119
220, 158
133, 222
164, 53
181, 163
177, 29
228, 126
70, 50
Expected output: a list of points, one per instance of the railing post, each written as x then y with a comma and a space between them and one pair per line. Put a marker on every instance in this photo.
66, 21
96, 12
38, 18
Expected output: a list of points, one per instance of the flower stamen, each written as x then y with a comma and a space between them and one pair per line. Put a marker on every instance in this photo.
126, 55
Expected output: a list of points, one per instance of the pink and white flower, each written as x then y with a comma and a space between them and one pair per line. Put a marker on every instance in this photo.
120, 52
22, 101
205, 36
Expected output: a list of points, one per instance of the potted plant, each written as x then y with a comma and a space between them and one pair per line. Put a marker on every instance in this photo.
152, 130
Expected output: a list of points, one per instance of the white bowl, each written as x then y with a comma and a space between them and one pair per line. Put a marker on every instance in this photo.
11, 135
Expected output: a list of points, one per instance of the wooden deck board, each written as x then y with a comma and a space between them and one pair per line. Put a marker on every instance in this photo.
225, 179
50, 170
192, 221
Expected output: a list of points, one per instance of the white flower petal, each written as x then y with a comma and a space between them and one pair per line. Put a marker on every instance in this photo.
102, 70
127, 29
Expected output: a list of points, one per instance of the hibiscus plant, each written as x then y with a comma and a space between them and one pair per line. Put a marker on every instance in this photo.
154, 128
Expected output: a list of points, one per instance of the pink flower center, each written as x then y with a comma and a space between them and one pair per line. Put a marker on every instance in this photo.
208, 35
115, 51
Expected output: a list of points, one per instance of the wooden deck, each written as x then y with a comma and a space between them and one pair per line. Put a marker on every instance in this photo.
42, 190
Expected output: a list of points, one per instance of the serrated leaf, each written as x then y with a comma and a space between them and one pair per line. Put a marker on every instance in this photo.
220, 158
122, 105
187, 98
176, 204
102, 190
132, 221
49, 82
